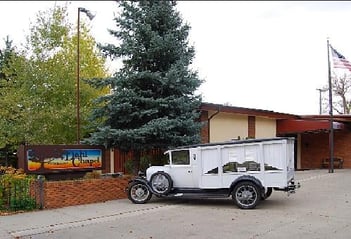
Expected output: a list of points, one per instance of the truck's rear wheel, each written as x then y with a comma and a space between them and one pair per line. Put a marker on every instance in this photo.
161, 183
246, 195
139, 193
267, 193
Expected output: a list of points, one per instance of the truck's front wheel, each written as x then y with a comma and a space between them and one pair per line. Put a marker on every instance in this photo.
246, 195
139, 193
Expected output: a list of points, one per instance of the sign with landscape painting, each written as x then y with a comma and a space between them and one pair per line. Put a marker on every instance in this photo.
45, 158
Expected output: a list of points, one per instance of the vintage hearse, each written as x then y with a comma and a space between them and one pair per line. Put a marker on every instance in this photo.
247, 170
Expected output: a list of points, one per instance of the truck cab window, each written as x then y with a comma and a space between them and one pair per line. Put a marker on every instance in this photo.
180, 157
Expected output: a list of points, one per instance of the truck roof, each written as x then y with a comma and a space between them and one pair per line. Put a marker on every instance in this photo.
231, 142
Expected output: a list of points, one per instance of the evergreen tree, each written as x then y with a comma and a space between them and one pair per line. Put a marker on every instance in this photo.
7, 111
5, 58
153, 104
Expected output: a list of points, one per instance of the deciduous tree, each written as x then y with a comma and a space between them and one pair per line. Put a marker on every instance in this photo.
341, 89
42, 100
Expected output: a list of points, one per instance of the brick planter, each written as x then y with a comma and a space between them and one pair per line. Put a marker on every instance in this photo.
56, 194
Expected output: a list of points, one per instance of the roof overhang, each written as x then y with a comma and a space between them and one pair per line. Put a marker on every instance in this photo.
245, 111
290, 126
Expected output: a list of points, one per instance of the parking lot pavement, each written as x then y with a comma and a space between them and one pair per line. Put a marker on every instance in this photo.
319, 209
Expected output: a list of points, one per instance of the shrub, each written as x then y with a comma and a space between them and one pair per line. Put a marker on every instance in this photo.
145, 162
15, 190
92, 175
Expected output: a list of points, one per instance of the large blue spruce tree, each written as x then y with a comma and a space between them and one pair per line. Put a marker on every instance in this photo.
153, 104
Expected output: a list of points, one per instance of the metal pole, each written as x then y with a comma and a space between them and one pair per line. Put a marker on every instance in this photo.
91, 16
40, 183
331, 130
78, 71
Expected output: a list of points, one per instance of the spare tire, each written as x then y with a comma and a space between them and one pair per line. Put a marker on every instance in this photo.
161, 183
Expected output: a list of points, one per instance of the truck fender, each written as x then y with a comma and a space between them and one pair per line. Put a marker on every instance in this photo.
246, 178
143, 181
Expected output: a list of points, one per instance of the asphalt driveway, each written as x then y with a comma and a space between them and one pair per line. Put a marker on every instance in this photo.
321, 208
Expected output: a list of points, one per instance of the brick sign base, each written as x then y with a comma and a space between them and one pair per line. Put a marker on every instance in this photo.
57, 194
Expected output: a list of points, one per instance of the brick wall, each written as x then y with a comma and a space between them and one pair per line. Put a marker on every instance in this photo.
205, 136
58, 194
315, 147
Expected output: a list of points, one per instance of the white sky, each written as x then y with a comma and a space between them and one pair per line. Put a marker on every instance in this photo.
264, 55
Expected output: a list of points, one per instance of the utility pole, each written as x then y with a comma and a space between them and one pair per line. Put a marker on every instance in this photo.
320, 99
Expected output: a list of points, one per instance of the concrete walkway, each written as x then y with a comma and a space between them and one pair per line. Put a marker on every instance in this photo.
321, 208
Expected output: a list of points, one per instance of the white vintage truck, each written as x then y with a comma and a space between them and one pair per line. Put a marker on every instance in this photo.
247, 170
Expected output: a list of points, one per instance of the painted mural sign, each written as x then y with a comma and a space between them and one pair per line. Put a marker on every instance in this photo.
46, 158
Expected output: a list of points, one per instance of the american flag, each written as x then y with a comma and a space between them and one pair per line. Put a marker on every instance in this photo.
339, 60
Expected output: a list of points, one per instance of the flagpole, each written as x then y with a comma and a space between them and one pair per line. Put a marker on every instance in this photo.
331, 128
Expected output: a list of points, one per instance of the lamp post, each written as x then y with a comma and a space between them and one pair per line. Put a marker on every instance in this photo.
90, 16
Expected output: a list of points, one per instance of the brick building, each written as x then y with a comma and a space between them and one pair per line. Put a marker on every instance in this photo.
312, 133
223, 123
